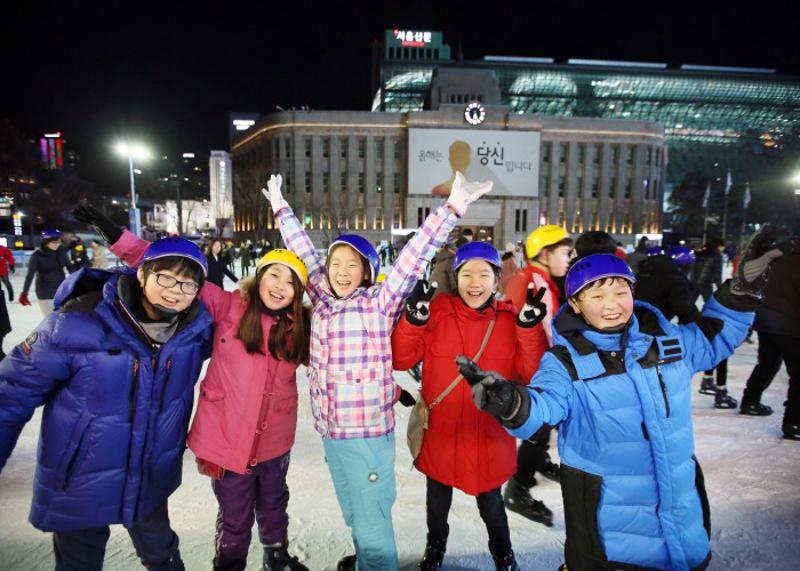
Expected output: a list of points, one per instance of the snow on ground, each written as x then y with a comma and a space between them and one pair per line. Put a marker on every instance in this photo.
751, 475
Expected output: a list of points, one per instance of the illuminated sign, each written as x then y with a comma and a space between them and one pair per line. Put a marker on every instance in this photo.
474, 113
188, 155
243, 124
55, 135
510, 159
413, 39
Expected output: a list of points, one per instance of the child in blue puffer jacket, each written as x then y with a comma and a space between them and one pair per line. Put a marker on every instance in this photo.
618, 382
115, 367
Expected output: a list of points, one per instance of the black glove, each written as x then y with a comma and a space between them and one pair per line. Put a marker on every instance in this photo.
508, 402
12, 269
534, 310
406, 398
418, 303
88, 214
751, 275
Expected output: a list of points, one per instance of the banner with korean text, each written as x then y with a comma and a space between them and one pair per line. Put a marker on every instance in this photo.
508, 158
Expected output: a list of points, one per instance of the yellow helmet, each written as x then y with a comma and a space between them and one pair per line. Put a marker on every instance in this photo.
286, 258
542, 237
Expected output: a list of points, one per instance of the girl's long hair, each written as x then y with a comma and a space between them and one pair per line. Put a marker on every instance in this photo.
289, 338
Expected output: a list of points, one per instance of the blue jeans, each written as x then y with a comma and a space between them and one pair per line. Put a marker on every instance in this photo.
362, 470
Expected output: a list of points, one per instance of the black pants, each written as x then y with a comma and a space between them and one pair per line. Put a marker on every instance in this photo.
531, 456
772, 349
490, 506
155, 543
722, 373
7, 283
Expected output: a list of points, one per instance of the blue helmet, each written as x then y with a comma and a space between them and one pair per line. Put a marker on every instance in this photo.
596, 267
363, 247
50, 234
175, 246
655, 251
477, 251
682, 255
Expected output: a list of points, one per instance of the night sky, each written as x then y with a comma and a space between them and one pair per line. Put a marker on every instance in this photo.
169, 75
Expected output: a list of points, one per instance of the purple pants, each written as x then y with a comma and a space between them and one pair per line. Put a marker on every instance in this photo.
263, 489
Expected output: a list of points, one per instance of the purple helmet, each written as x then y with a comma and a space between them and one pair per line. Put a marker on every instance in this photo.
682, 255
175, 246
363, 247
655, 251
596, 267
477, 251
50, 234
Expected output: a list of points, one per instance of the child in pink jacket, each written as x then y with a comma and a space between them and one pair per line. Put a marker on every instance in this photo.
246, 417
350, 369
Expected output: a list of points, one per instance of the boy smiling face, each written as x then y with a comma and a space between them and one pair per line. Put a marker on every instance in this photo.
605, 303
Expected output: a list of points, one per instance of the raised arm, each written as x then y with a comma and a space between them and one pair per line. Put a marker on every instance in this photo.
296, 239
414, 257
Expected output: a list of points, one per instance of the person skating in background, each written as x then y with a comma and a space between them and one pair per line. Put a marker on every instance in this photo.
464, 448
47, 265
618, 383
508, 270
115, 368
218, 264
638, 255
350, 370
707, 275
442, 273
549, 249
778, 327
7, 267
245, 258
78, 255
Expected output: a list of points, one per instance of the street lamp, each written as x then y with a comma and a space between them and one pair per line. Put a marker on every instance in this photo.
133, 151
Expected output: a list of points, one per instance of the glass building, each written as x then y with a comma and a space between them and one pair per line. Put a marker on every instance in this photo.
713, 117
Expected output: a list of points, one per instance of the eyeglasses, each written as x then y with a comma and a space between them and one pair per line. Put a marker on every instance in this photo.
189, 288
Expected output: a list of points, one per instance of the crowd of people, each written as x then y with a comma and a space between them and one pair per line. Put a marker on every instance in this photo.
564, 339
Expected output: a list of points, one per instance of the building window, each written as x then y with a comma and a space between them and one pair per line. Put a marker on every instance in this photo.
361, 182
422, 214
612, 190
288, 182
562, 153
362, 144
521, 220
308, 181
613, 155
378, 223
649, 155
307, 145
326, 148
561, 187
594, 188
397, 183
396, 145
545, 153
326, 180
343, 147
596, 155
581, 153
627, 188
287, 148
379, 149
379, 189
396, 218
628, 155
343, 180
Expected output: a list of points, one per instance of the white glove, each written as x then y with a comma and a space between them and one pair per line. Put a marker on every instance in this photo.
273, 193
464, 193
